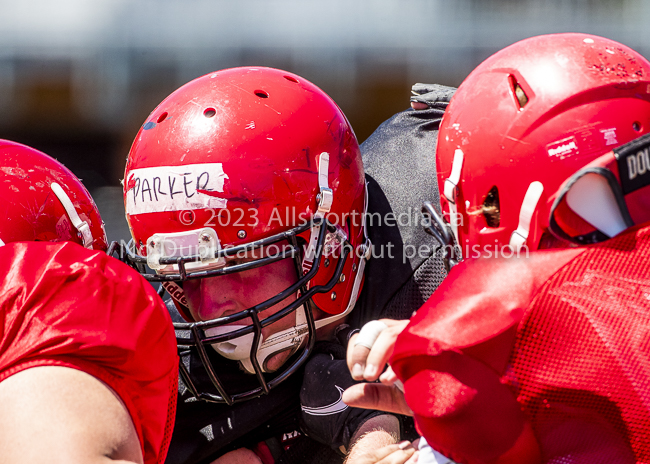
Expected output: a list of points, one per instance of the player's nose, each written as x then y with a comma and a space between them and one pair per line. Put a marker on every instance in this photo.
216, 301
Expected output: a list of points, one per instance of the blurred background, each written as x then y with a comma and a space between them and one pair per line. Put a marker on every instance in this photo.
79, 77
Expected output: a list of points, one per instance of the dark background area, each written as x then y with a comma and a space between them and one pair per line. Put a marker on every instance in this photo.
78, 78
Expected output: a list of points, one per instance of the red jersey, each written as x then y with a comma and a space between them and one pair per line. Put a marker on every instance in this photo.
558, 342
63, 305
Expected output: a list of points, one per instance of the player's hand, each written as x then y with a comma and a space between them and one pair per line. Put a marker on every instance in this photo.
401, 453
377, 396
425, 96
367, 363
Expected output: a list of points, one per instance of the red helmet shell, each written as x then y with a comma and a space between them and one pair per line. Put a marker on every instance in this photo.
31, 210
538, 110
238, 151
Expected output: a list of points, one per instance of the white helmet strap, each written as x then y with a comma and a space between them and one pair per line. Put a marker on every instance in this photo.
451, 190
81, 226
326, 198
520, 236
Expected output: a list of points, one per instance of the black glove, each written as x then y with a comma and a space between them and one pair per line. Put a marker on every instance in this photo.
432, 95
324, 415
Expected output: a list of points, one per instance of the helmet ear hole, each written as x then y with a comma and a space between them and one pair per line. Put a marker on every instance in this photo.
491, 208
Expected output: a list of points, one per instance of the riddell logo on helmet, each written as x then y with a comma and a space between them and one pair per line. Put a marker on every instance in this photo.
563, 148
176, 292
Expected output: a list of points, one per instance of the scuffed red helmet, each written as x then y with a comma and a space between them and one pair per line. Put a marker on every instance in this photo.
519, 132
241, 159
42, 200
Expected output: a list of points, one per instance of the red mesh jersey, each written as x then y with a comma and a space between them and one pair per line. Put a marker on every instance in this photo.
558, 341
63, 305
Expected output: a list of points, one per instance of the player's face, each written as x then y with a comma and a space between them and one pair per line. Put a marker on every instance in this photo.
220, 296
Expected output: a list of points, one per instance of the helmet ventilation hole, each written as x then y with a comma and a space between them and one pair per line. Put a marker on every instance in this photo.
209, 112
261, 94
162, 117
520, 95
522, 98
292, 79
636, 125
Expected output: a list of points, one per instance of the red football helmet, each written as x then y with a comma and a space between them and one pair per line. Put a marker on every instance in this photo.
42, 200
239, 161
525, 146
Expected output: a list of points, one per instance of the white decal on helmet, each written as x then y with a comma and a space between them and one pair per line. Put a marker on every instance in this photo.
175, 188
562, 149
610, 136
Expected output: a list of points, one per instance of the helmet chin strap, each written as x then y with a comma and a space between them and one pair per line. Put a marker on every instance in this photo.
81, 226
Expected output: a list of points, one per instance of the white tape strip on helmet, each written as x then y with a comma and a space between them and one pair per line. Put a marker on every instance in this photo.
81, 226
519, 236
